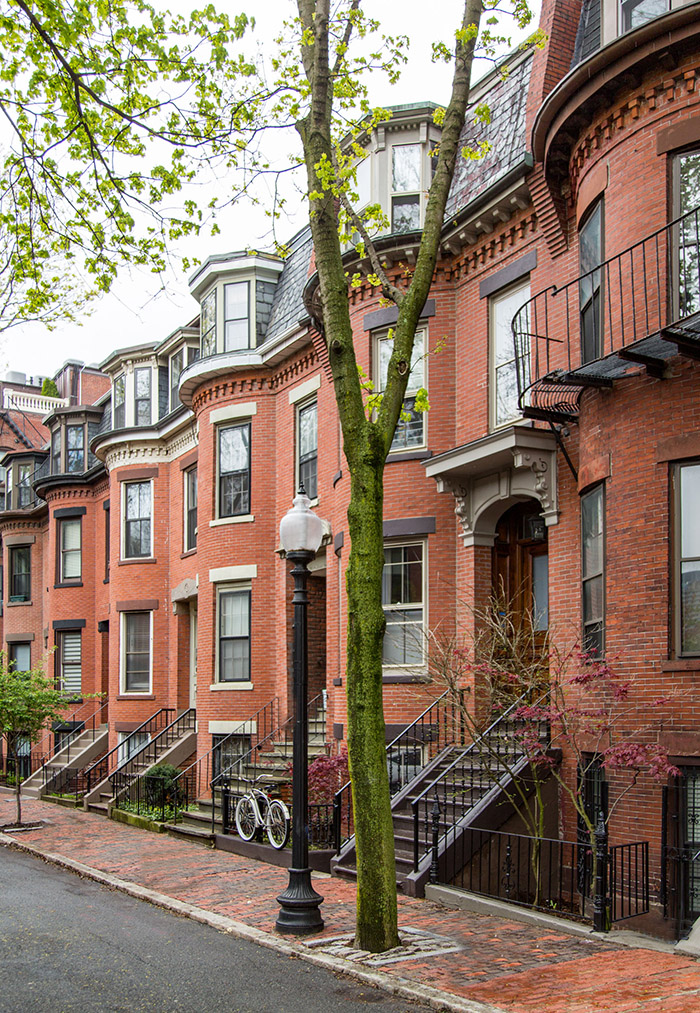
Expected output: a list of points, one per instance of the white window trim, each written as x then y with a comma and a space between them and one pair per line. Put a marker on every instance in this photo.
421, 669
219, 327
122, 548
186, 508
239, 585
62, 579
380, 336
420, 192
182, 350
231, 413
240, 519
304, 390
122, 657
507, 290
299, 408
241, 420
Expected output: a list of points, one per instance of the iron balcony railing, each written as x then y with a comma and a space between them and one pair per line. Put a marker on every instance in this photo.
590, 331
440, 725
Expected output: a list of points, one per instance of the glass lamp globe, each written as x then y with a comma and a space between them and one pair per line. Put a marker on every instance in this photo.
301, 530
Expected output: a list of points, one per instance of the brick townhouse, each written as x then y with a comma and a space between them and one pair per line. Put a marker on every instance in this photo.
560, 458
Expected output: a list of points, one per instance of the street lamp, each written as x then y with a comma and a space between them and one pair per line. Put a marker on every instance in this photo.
301, 532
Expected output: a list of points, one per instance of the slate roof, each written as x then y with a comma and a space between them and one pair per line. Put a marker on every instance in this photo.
588, 32
507, 102
288, 307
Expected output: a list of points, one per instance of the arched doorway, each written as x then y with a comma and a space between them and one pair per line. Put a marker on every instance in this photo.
520, 563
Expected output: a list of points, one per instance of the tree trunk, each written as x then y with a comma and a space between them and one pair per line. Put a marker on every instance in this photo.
18, 792
376, 925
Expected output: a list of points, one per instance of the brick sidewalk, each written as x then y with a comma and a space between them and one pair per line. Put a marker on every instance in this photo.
508, 965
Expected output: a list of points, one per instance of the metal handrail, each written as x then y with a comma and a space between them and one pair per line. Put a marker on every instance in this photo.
102, 768
643, 289
171, 733
70, 736
192, 779
471, 751
341, 797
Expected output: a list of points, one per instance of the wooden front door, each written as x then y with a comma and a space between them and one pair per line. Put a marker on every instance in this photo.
520, 571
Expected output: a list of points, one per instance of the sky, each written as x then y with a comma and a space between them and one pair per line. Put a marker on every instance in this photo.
136, 310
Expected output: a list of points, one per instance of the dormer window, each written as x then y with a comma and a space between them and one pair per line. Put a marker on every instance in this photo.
119, 406
142, 397
236, 316
25, 494
634, 13
405, 187
208, 324
56, 452
75, 448
177, 364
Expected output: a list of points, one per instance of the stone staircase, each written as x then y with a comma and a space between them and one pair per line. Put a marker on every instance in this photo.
173, 744
267, 764
469, 785
80, 752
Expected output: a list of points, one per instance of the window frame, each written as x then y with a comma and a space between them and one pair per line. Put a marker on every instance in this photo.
175, 383
677, 308
123, 663
62, 638
227, 319
678, 559
12, 649
119, 407
401, 433
223, 590
207, 341
138, 401
16, 552
220, 429
398, 197
69, 450
62, 551
56, 451
416, 666
625, 6
587, 577
597, 290
301, 408
25, 493
140, 519
190, 528
494, 300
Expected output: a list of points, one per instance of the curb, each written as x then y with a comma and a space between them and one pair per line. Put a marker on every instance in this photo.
401, 987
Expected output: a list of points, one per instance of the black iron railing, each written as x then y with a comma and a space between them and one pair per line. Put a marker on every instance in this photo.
628, 880
320, 824
261, 758
88, 717
80, 782
135, 766
440, 725
152, 795
195, 781
468, 778
629, 298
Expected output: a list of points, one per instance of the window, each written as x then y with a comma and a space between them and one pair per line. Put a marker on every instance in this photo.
402, 600
20, 584
25, 495
504, 381
190, 509
108, 538
69, 658
119, 408
75, 448
137, 520
56, 452
234, 470
688, 559
307, 435
234, 635
136, 652
142, 397
69, 566
590, 245
8, 488
406, 187
208, 324
177, 364
130, 743
227, 751
593, 571
687, 198
410, 429
634, 13
236, 316
20, 655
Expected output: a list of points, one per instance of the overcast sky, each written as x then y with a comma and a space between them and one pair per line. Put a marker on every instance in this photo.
135, 311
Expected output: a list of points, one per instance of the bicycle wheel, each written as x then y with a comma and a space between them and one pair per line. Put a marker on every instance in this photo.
246, 824
277, 824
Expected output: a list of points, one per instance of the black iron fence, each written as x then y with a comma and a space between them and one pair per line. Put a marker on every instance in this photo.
320, 824
569, 878
152, 796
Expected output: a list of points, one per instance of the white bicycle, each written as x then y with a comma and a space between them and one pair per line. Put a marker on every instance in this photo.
256, 811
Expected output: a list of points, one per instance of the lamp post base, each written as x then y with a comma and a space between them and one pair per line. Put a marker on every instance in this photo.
299, 903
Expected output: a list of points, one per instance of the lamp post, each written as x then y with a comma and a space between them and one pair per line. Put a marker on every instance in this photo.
301, 532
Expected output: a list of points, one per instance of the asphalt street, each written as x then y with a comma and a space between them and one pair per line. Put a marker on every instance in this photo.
69, 945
